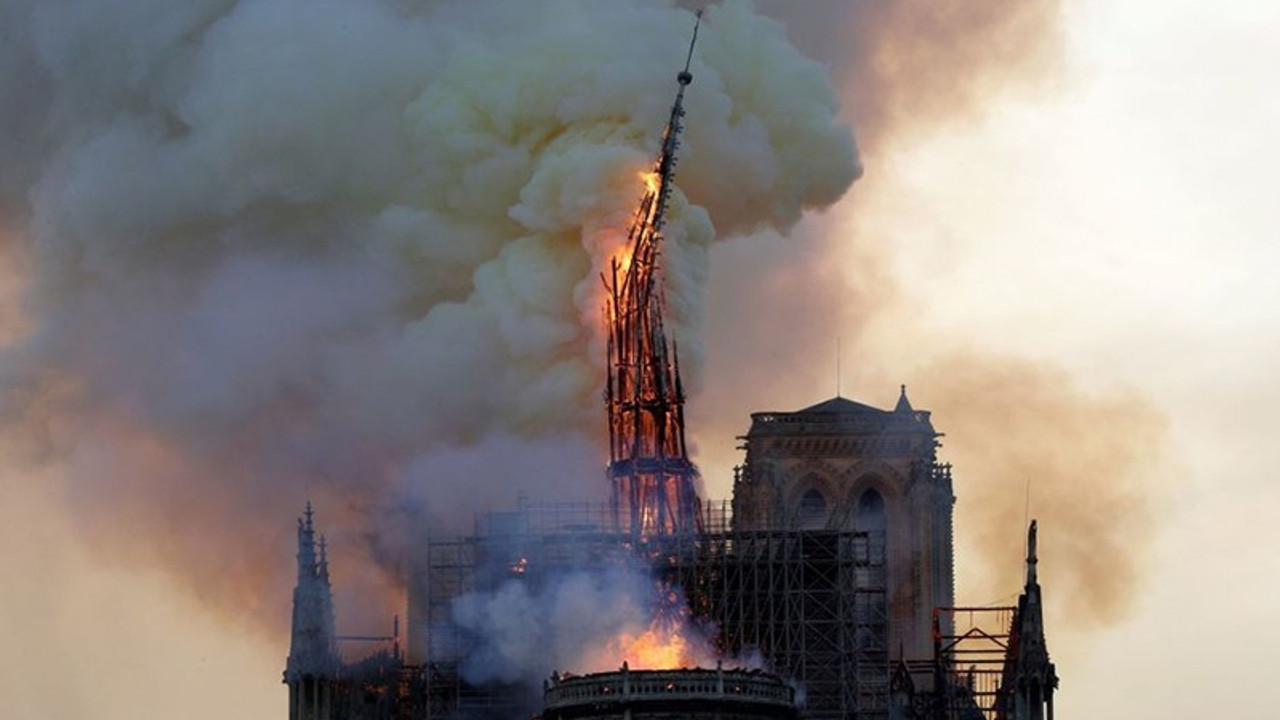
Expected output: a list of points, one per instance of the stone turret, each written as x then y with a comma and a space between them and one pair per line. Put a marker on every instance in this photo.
312, 667
847, 466
1032, 676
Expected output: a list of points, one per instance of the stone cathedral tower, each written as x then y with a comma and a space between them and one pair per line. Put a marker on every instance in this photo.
311, 671
843, 465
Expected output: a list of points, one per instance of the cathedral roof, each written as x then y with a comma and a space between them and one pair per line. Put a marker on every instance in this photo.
841, 406
904, 405
842, 415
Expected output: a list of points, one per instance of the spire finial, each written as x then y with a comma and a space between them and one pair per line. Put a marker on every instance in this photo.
306, 543
1031, 554
904, 405
839, 384
685, 77
671, 137
323, 565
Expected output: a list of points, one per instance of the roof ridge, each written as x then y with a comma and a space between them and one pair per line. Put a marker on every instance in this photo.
841, 405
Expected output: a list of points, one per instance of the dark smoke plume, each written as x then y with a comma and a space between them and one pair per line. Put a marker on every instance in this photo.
350, 249
272, 247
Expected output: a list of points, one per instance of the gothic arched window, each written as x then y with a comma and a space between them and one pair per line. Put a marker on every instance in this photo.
874, 521
871, 514
813, 510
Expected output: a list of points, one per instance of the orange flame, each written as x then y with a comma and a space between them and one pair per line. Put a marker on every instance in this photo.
669, 643
654, 649
651, 181
622, 255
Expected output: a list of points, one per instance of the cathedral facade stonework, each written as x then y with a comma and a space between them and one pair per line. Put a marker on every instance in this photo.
843, 465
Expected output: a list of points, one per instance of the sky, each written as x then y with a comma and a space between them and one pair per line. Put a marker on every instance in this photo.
1118, 221
1112, 219
1161, 162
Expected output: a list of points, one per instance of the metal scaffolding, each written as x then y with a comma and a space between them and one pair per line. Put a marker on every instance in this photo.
967, 677
812, 604
973, 654
531, 543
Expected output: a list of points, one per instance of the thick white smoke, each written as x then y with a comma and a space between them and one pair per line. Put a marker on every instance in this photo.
352, 246
579, 621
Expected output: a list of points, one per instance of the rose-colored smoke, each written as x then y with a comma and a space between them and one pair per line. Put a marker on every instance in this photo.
1094, 457
919, 63
1086, 463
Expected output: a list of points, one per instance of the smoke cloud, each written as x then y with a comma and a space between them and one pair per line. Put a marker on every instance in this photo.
260, 248
1086, 463
917, 65
579, 621
350, 248
912, 66
1096, 457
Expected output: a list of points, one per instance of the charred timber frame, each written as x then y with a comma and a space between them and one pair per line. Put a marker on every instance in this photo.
652, 478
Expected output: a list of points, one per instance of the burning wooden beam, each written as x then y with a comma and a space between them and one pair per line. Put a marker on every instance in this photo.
652, 477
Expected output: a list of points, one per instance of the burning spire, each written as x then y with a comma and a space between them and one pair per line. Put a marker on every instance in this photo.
652, 477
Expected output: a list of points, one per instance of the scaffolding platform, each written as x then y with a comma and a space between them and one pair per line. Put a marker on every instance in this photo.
810, 604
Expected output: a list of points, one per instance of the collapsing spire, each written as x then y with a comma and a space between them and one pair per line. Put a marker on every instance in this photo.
652, 477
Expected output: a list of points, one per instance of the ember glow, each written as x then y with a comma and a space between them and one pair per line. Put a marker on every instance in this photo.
624, 245
653, 479
667, 644
671, 641
657, 648
651, 181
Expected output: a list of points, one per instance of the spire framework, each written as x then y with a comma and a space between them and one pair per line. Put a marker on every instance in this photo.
653, 481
